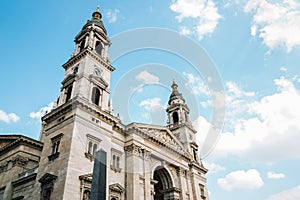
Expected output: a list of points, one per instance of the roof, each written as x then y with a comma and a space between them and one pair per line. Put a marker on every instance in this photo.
162, 136
9, 142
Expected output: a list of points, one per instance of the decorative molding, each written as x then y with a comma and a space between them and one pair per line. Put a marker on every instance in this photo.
89, 156
84, 53
116, 187
86, 178
57, 137
23, 180
146, 154
115, 169
17, 140
93, 138
53, 156
47, 178
133, 149
20, 161
68, 80
161, 137
78, 102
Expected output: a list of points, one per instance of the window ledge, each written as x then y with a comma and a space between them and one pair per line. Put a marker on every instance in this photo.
53, 156
89, 156
115, 169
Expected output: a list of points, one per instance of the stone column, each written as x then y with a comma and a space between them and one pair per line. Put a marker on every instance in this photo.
147, 174
189, 184
180, 173
133, 154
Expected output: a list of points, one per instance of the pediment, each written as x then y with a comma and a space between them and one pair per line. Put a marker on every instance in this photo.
47, 178
5, 142
86, 177
99, 81
116, 187
69, 79
160, 135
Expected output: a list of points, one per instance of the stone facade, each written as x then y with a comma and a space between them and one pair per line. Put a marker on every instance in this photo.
144, 161
19, 159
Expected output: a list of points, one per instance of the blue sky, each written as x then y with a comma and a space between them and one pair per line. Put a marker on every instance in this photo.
254, 45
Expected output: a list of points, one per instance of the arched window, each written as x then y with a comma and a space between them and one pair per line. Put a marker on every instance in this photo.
98, 47
94, 149
69, 93
82, 44
86, 195
96, 96
175, 117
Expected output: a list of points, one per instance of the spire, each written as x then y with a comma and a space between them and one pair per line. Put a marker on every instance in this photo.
174, 87
175, 93
97, 15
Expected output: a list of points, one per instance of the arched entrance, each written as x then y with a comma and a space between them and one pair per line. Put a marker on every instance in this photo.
163, 189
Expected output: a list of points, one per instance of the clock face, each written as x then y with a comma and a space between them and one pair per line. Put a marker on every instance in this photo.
98, 71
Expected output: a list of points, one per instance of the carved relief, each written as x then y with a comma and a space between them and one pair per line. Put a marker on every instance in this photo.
133, 149
20, 161
146, 154
3, 167
162, 137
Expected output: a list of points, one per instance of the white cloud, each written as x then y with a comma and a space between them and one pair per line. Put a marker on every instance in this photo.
185, 30
149, 103
241, 179
203, 14
277, 23
147, 77
284, 69
112, 15
42, 111
213, 168
196, 84
290, 194
271, 133
273, 175
8, 117
202, 126
236, 91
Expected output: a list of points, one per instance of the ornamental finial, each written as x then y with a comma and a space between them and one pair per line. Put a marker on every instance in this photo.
98, 8
174, 87
97, 15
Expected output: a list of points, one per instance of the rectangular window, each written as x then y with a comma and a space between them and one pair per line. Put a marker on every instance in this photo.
202, 191
92, 146
115, 160
55, 147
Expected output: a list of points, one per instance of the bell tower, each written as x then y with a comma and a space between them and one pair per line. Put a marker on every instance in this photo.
179, 121
81, 120
87, 72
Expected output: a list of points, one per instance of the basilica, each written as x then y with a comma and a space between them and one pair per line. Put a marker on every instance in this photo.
144, 161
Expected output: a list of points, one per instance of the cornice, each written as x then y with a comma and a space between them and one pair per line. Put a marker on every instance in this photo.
82, 54
198, 166
173, 127
78, 102
24, 180
19, 140
161, 140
